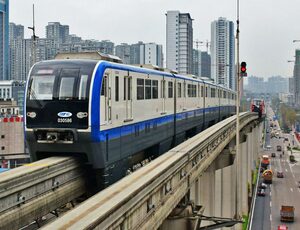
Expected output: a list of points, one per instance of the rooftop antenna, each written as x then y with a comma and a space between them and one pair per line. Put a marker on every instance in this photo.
34, 37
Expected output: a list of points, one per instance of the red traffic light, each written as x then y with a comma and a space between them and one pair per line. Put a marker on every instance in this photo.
243, 67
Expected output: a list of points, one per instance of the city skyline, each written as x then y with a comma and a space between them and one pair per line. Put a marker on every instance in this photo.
257, 18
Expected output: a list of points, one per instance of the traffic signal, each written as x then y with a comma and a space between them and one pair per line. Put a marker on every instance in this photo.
243, 69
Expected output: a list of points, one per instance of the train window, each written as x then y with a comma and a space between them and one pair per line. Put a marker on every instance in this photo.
202, 90
170, 89
147, 89
124, 89
103, 89
213, 92
179, 90
163, 89
129, 88
224, 94
192, 90
206, 92
41, 87
82, 87
198, 90
184, 89
66, 88
154, 89
140, 89
117, 88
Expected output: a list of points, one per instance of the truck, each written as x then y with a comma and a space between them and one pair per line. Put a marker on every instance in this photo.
267, 176
287, 213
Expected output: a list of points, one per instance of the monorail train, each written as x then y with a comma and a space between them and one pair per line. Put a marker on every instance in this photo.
258, 105
114, 115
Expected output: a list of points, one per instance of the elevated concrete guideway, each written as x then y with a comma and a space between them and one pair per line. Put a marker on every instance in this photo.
193, 169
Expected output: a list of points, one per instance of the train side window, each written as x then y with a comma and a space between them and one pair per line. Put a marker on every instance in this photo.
206, 91
117, 88
129, 88
179, 90
140, 89
125, 89
83, 87
170, 89
103, 90
202, 90
154, 89
198, 91
184, 89
163, 89
147, 89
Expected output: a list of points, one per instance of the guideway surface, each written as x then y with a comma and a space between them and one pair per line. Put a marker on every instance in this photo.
34, 190
144, 199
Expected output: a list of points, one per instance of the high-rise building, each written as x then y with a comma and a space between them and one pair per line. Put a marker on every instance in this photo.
16, 31
297, 77
151, 53
58, 32
135, 52
123, 52
179, 42
223, 53
205, 65
196, 67
4, 38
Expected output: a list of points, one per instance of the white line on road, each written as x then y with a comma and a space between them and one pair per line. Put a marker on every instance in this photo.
291, 189
286, 170
271, 204
270, 192
271, 217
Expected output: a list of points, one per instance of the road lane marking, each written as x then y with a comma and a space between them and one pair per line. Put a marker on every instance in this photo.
286, 170
271, 204
271, 217
291, 189
270, 192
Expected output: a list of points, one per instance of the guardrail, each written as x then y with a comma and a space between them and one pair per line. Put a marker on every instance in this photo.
145, 198
34, 190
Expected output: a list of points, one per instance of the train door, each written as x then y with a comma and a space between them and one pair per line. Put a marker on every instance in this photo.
106, 99
128, 96
163, 95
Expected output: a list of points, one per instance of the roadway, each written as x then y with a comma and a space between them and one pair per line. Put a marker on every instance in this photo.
283, 191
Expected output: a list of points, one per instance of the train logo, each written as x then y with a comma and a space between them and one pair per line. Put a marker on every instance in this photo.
64, 114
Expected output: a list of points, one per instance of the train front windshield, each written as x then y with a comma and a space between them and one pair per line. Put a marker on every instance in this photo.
57, 95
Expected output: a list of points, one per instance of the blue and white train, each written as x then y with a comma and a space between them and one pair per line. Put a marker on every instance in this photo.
113, 115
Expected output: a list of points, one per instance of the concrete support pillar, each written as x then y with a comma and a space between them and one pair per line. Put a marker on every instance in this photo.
207, 190
244, 177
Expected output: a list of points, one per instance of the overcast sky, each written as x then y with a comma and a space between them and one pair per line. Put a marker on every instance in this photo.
268, 27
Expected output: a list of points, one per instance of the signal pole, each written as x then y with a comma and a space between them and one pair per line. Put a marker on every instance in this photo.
237, 156
34, 37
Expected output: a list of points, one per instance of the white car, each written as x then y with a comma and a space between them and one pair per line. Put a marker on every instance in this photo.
268, 147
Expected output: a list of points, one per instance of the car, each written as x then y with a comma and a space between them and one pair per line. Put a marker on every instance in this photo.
273, 155
262, 185
282, 227
278, 148
261, 192
268, 147
286, 139
280, 174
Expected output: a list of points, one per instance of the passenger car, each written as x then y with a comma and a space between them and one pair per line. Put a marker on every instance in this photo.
280, 174
261, 192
